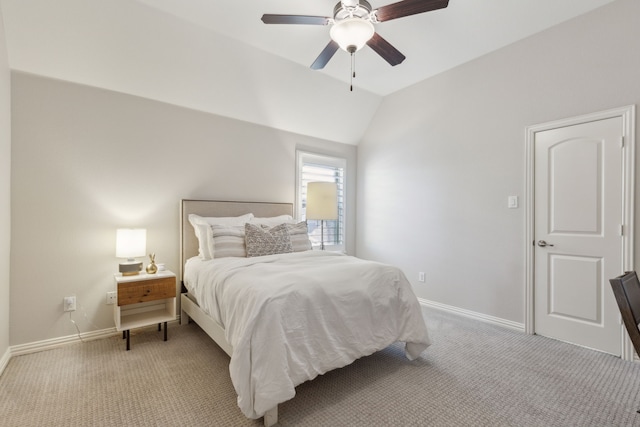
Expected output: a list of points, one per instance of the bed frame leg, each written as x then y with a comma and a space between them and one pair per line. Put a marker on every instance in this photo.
184, 317
271, 417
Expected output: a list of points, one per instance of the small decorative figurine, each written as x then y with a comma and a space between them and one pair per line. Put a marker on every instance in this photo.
152, 268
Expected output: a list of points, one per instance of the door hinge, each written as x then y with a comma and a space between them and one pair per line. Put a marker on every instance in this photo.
621, 230
622, 142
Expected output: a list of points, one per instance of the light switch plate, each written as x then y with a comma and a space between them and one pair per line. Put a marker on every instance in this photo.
512, 202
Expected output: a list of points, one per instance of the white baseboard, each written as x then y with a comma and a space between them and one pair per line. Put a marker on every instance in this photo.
4, 361
50, 344
473, 315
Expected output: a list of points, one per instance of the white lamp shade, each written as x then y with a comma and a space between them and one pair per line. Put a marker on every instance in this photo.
322, 200
352, 32
131, 242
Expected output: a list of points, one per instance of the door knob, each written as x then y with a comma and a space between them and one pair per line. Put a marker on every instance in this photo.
542, 243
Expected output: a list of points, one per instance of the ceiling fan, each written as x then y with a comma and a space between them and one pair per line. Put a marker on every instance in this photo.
352, 26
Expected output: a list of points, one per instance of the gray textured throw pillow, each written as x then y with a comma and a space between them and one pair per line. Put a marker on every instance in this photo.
267, 241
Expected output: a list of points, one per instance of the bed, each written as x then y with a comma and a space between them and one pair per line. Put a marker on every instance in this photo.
287, 316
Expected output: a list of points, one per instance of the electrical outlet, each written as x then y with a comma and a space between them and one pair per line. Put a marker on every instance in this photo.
69, 303
111, 297
421, 276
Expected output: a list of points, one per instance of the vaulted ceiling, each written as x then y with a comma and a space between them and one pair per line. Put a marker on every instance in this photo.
218, 57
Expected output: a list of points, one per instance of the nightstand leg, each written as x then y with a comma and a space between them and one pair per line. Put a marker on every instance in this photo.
159, 326
128, 339
165, 331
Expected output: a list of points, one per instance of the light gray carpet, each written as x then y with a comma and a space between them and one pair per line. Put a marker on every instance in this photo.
475, 374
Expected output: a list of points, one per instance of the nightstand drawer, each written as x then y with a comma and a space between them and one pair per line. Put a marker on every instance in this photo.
146, 290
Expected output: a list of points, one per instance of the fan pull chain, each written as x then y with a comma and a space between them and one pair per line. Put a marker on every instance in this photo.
353, 71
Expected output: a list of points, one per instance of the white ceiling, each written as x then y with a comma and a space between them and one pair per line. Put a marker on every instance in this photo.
433, 42
218, 57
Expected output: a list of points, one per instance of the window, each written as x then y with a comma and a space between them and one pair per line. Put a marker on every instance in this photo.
316, 167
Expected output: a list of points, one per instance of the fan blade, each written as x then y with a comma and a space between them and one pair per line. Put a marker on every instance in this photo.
408, 7
295, 19
324, 57
384, 49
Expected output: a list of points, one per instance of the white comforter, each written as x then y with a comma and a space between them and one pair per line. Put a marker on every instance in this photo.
291, 317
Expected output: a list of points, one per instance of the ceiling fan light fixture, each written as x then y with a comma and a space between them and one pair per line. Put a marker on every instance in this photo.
352, 34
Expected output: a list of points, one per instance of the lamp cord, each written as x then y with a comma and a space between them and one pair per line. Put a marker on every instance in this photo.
86, 318
76, 325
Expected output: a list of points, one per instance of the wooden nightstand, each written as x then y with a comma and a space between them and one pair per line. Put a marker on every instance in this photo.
143, 300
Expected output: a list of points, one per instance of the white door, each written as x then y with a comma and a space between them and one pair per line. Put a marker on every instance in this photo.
578, 199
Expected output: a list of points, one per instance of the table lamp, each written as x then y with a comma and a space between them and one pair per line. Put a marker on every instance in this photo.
131, 243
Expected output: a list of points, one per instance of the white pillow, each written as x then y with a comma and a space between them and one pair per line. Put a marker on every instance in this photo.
202, 233
205, 238
216, 220
273, 220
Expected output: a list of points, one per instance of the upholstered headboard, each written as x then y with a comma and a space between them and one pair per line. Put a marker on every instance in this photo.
217, 208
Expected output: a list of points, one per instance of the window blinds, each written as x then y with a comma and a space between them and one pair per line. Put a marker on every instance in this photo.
316, 168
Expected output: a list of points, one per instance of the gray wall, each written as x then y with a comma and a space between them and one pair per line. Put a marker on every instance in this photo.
434, 173
440, 158
5, 193
86, 161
